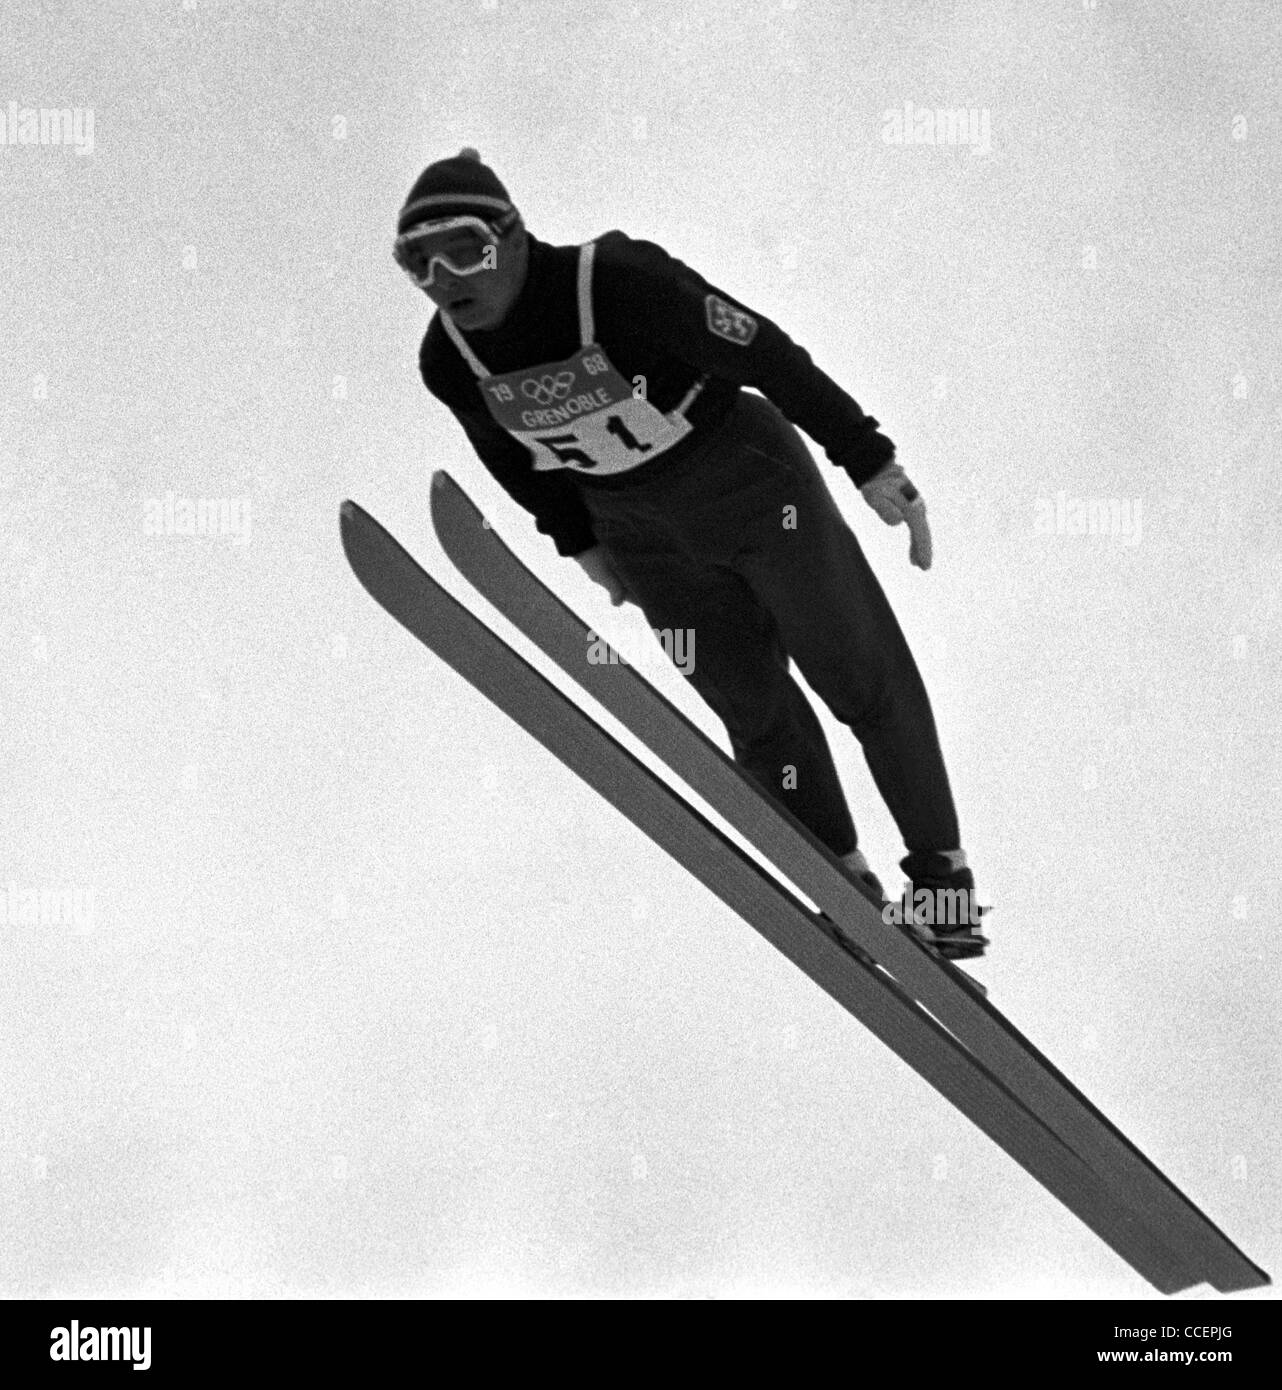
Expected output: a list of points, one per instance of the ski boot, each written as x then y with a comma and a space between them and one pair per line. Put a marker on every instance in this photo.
857, 866
948, 919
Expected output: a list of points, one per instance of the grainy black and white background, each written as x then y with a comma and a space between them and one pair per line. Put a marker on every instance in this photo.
319, 978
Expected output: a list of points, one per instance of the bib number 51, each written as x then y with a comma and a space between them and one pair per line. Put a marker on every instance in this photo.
566, 446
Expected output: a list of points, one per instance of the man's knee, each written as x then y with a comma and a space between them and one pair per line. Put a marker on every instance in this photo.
861, 695
752, 710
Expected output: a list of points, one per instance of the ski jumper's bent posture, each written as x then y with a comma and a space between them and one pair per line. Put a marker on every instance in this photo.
601, 385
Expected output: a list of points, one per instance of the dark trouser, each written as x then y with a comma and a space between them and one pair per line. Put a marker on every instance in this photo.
742, 542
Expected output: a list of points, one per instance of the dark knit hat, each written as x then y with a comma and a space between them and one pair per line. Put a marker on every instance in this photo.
455, 187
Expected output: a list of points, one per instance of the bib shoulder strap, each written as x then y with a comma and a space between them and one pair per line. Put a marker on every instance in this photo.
460, 342
587, 329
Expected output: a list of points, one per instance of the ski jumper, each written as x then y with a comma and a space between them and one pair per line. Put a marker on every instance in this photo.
609, 404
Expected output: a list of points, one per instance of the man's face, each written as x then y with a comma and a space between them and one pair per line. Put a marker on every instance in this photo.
482, 299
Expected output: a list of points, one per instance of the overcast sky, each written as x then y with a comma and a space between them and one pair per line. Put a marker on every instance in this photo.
360, 991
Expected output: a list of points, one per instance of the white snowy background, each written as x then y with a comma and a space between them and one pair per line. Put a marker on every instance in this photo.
363, 994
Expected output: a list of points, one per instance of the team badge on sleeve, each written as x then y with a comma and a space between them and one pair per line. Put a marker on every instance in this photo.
734, 325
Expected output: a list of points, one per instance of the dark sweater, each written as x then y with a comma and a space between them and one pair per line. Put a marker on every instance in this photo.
653, 320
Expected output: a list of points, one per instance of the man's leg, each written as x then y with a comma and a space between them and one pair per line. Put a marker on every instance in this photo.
837, 624
740, 669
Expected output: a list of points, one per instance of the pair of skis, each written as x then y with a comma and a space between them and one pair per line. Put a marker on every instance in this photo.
920, 1006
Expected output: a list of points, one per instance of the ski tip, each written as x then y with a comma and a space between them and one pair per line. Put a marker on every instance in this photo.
451, 507
351, 516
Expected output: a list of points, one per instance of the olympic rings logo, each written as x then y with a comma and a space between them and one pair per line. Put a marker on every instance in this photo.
544, 390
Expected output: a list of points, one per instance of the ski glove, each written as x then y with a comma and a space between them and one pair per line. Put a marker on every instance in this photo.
894, 499
596, 565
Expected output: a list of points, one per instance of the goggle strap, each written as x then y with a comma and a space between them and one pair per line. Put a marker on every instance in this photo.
498, 227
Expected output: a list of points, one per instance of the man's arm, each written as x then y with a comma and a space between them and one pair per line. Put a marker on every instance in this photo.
643, 291
550, 497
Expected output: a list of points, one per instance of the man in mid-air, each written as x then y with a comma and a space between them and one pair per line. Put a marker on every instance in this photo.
601, 385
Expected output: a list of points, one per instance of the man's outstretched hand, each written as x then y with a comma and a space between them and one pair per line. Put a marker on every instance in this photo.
596, 565
892, 496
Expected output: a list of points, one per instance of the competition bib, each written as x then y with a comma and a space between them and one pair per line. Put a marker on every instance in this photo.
580, 413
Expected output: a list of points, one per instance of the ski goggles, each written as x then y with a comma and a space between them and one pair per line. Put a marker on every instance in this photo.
463, 245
